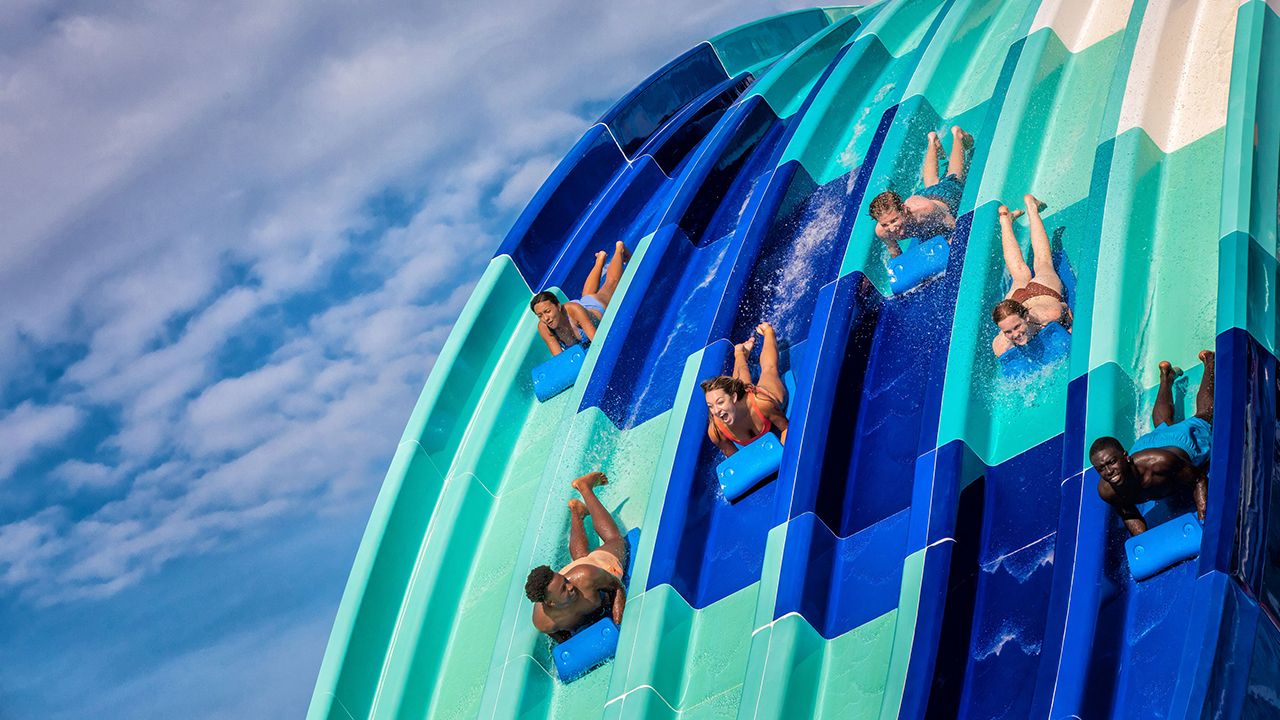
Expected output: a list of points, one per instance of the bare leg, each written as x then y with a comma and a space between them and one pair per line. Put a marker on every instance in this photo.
1204, 397
1163, 411
741, 356
1013, 260
932, 152
770, 380
613, 275
592, 285
611, 538
958, 162
1042, 253
578, 546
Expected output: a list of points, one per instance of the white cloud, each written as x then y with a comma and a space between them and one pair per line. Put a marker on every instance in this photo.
79, 475
29, 428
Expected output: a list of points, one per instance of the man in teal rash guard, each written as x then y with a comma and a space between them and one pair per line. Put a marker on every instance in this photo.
1165, 460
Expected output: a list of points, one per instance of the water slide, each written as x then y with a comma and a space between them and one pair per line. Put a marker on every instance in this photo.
932, 545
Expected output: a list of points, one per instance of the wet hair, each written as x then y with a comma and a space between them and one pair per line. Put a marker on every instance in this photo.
885, 201
1005, 308
544, 296
1106, 442
730, 385
535, 588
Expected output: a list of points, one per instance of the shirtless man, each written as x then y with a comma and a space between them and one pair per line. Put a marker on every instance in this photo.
932, 211
574, 322
1165, 460
590, 587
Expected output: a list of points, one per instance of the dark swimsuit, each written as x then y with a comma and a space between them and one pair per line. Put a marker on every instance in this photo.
1034, 289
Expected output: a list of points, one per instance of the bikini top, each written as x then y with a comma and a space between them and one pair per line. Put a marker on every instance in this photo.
766, 425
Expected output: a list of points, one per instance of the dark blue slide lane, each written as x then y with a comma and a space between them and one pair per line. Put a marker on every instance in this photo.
698, 253
885, 360
798, 233
658, 125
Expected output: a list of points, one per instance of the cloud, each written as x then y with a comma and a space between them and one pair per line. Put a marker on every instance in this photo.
186, 199
29, 428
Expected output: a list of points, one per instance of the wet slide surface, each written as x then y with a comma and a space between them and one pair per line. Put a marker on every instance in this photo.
933, 544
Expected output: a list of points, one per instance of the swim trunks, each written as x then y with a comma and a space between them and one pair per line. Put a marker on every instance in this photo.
1194, 436
600, 558
949, 190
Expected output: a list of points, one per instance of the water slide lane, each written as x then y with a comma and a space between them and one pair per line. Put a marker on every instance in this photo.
680, 261
1010, 431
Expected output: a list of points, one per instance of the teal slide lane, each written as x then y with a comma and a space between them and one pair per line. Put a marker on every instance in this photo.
933, 545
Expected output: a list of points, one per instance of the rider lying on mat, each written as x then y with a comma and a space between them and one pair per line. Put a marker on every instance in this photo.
1170, 457
933, 210
590, 587
739, 411
563, 326
1035, 300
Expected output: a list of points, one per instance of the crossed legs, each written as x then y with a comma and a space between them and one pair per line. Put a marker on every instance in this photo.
611, 539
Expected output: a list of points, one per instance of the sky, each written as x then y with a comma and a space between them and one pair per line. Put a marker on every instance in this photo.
235, 236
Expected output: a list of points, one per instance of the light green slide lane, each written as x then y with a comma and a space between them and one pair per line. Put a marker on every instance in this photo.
1248, 248
969, 28
1035, 148
1157, 214
520, 674
481, 359
753, 46
835, 133
789, 81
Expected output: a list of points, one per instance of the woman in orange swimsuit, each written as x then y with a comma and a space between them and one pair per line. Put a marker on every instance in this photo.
1035, 299
741, 411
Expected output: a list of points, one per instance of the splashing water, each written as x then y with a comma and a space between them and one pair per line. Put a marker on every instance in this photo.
850, 157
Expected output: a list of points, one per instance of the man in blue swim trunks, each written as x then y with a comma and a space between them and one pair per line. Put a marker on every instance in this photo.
933, 210
563, 326
1163, 461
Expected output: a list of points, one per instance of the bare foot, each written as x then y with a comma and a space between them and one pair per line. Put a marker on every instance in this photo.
746, 346
1168, 372
1004, 212
578, 508
621, 247
601, 256
765, 329
934, 142
590, 481
1033, 201
962, 137
1207, 357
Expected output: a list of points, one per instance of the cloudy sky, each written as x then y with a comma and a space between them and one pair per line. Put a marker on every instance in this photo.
235, 235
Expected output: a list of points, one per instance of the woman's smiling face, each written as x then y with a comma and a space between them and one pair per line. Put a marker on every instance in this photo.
722, 405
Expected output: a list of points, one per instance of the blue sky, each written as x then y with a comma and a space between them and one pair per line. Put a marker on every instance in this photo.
236, 235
